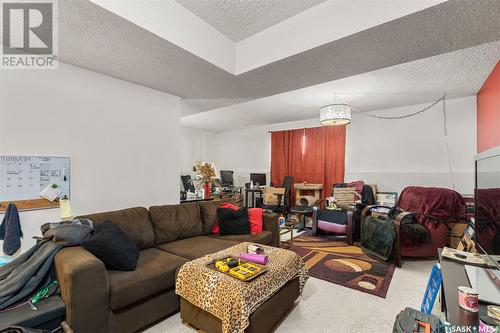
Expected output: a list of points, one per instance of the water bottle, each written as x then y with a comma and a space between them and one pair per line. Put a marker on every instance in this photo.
281, 221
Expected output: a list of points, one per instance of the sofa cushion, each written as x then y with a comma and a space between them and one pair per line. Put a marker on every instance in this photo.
263, 238
155, 272
173, 222
255, 217
233, 222
196, 247
133, 221
113, 247
208, 210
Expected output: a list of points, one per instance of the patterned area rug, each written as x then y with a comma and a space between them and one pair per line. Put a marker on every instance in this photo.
342, 264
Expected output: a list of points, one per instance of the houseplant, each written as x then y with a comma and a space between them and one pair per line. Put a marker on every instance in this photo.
205, 176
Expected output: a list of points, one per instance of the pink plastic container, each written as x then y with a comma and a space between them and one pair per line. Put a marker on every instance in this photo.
253, 257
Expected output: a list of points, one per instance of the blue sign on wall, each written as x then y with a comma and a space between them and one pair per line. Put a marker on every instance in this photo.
432, 290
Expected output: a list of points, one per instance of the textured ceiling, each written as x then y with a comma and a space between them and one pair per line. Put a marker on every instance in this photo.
460, 73
239, 19
96, 39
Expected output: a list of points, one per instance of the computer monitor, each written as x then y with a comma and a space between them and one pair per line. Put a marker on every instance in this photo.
226, 178
187, 184
258, 178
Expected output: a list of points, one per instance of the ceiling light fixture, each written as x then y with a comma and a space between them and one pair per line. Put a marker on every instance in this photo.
339, 113
335, 114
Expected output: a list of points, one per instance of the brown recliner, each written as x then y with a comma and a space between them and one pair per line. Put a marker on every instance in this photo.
102, 300
432, 208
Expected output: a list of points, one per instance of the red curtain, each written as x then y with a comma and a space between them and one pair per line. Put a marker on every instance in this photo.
315, 155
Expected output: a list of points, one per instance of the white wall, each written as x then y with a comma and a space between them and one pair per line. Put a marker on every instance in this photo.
196, 145
123, 139
249, 150
413, 151
391, 153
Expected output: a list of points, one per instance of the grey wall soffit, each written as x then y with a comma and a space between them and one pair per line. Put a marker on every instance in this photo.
96, 39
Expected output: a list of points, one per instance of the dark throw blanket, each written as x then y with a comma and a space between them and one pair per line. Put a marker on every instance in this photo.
21, 277
10, 230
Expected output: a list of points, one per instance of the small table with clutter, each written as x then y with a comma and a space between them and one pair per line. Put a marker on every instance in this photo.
287, 228
247, 287
305, 202
454, 275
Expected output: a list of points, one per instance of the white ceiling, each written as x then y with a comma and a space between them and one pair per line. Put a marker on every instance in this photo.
460, 73
239, 19
116, 47
318, 25
377, 60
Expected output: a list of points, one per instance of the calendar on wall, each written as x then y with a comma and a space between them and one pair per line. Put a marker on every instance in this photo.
22, 178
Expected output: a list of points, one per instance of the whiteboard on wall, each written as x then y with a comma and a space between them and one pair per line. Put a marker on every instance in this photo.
24, 177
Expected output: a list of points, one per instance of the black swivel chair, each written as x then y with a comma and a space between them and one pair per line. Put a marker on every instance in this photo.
283, 199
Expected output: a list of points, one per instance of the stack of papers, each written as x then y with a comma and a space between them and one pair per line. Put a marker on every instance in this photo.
51, 192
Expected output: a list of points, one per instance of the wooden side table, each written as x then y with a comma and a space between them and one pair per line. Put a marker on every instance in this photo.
302, 212
287, 228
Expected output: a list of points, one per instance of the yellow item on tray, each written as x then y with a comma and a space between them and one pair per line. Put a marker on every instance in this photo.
221, 266
251, 267
225, 264
240, 273
245, 271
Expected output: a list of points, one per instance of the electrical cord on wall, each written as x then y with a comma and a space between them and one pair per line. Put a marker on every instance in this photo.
445, 129
445, 126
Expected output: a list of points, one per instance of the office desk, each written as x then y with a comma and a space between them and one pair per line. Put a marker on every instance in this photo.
252, 191
234, 198
454, 275
196, 200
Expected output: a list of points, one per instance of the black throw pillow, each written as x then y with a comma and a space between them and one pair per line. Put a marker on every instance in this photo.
113, 247
233, 222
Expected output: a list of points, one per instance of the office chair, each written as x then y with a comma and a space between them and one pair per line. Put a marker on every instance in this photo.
283, 200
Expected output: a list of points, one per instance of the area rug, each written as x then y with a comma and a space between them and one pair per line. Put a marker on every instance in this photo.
342, 264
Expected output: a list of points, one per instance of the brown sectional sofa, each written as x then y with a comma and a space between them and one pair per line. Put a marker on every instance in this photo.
101, 300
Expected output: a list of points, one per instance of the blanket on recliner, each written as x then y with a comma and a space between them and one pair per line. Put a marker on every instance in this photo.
441, 203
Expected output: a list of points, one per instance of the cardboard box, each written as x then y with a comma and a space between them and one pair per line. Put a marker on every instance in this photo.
455, 234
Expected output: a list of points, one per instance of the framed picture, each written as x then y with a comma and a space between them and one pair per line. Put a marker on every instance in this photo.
387, 198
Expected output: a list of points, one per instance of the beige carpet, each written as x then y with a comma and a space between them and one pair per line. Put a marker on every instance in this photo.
329, 308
